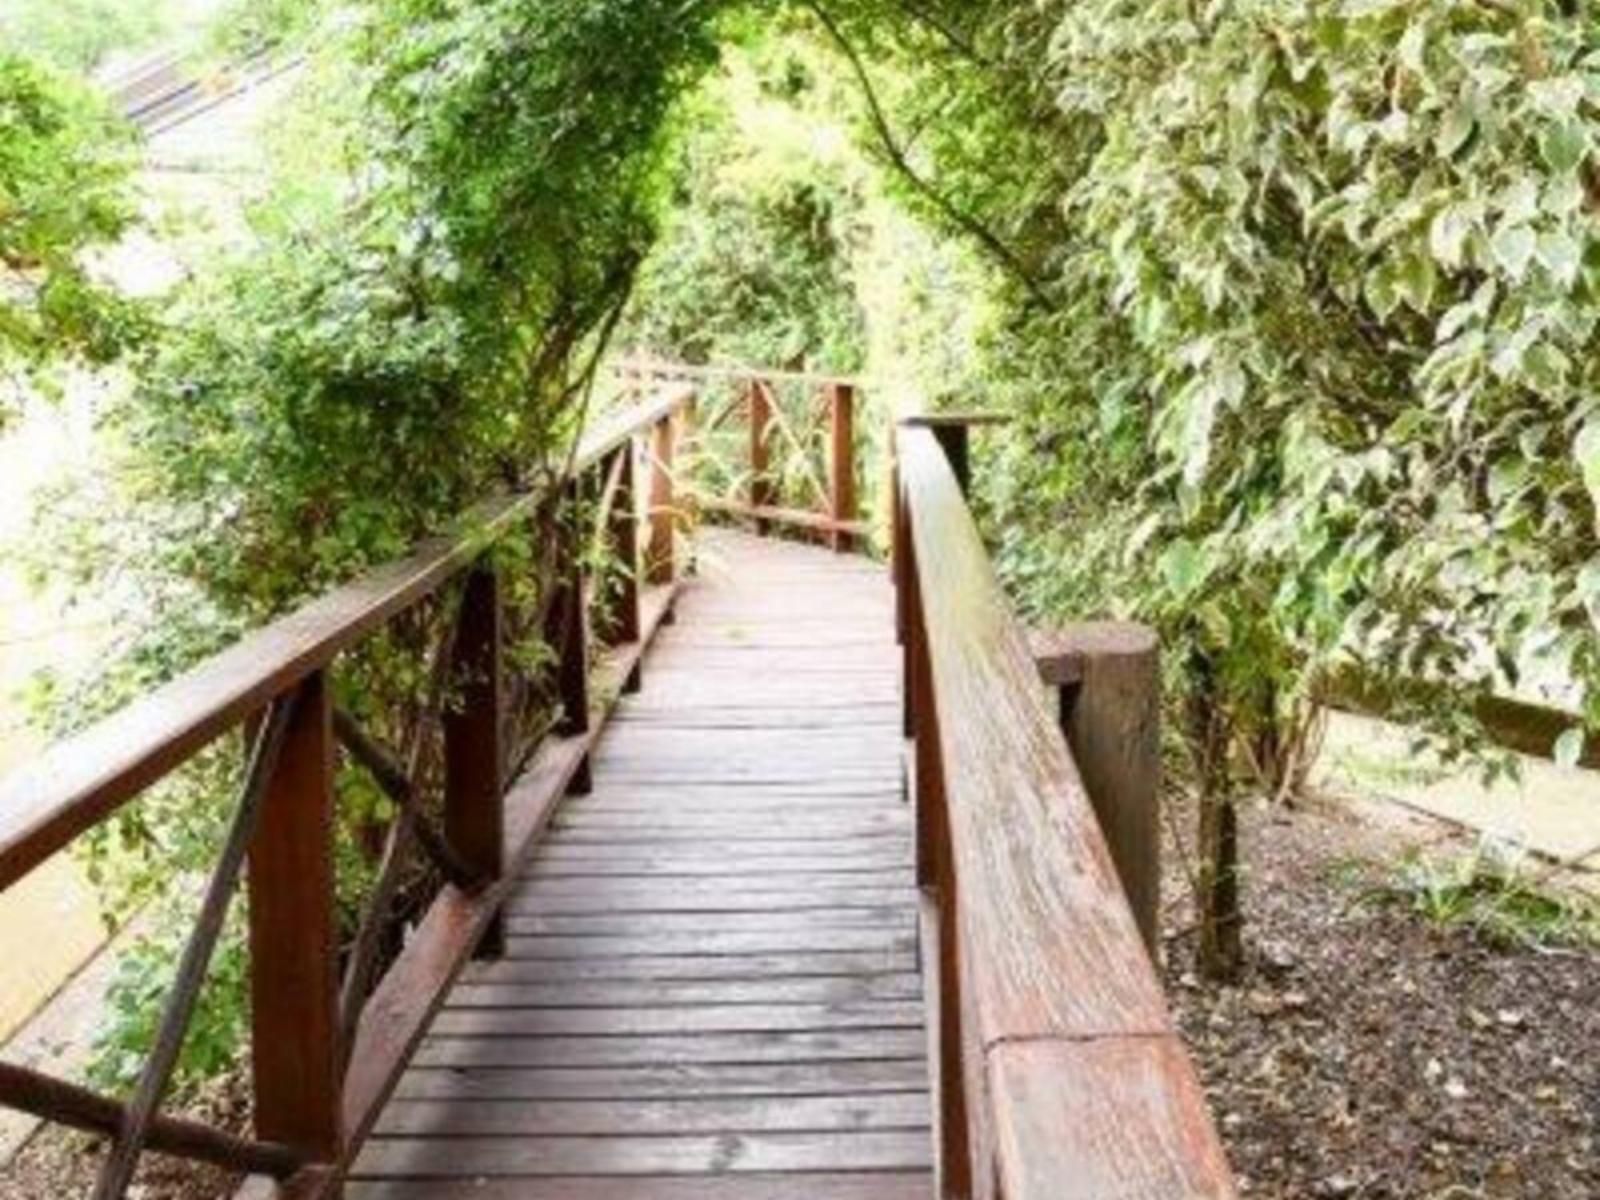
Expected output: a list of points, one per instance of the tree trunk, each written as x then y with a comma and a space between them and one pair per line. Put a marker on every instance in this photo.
1221, 920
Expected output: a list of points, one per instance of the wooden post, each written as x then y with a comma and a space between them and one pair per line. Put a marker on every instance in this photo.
622, 531
474, 751
1108, 676
567, 633
294, 945
659, 567
842, 459
761, 492
897, 570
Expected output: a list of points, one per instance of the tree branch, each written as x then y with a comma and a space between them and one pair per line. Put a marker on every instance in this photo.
957, 216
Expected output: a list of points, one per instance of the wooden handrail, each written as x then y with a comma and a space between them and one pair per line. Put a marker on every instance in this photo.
78, 782
324, 1062
1056, 1064
755, 395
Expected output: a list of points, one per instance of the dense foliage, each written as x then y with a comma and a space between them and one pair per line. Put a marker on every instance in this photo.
64, 190
79, 35
1292, 302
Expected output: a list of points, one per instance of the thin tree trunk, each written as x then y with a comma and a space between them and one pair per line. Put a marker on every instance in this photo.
1221, 920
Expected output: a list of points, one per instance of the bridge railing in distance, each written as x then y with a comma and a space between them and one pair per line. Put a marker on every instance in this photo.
1055, 1063
332, 1029
774, 448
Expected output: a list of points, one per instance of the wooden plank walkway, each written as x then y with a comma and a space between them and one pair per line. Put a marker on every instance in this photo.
711, 986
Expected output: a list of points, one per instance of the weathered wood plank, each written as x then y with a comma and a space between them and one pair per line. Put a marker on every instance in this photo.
885, 961
554, 899
899, 918
832, 1185
680, 1080
823, 989
724, 868
697, 1154
672, 1049
712, 942
702, 1018
558, 1118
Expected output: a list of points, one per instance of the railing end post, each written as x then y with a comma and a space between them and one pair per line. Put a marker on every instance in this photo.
1107, 675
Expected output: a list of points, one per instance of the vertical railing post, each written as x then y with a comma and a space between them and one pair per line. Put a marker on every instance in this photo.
474, 729
567, 630
1108, 677
659, 566
842, 462
622, 535
294, 947
897, 534
761, 492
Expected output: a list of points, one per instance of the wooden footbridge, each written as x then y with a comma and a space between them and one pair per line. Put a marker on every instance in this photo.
775, 879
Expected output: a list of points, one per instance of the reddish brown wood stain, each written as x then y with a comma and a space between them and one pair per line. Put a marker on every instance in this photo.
706, 978
670, 1015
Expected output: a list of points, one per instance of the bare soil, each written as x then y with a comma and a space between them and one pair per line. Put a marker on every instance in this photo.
1370, 1051
63, 1163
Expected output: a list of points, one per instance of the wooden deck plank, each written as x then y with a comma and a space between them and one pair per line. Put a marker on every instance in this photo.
700, 1018
653, 1118
681, 1081
691, 1154
711, 984
642, 1050
887, 961
880, 1185
822, 989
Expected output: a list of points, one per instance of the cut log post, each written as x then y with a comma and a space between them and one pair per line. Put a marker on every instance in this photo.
294, 943
474, 748
1107, 676
842, 463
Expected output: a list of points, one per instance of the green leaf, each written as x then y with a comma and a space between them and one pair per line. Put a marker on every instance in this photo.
1454, 131
1513, 248
1447, 236
1415, 281
1569, 747
1564, 145
1560, 255
1586, 450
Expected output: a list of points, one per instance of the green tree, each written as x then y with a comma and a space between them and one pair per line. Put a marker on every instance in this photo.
64, 190
77, 35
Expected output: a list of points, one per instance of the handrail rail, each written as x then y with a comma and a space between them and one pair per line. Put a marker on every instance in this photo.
1055, 1059
770, 440
78, 781
326, 1056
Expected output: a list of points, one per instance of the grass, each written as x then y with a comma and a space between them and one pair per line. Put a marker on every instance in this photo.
1494, 895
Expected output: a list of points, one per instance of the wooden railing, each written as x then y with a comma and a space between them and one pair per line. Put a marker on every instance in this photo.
328, 1045
1056, 1067
774, 448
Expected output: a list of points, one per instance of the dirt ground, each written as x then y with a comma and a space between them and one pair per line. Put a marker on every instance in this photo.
61, 1163
1371, 1051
